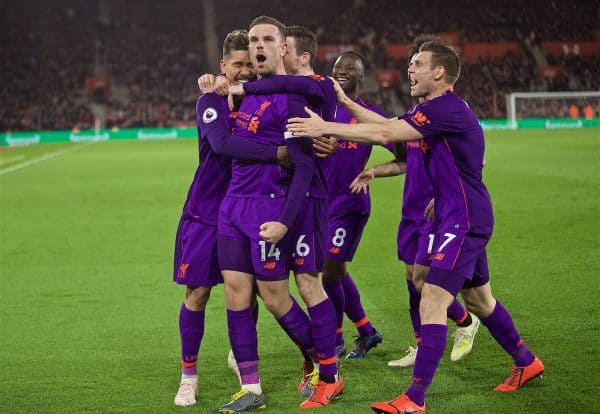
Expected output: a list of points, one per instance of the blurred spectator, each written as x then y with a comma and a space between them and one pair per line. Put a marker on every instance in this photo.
153, 51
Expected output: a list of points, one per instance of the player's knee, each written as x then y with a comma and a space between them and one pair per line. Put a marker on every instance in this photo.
481, 308
278, 305
196, 298
418, 282
310, 289
432, 306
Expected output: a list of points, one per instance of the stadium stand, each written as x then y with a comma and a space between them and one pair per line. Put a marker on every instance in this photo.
76, 65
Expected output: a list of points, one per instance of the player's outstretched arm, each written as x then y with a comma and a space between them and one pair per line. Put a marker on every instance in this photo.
301, 85
362, 114
364, 178
372, 134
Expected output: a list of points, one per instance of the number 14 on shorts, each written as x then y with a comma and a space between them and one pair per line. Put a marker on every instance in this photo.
302, 249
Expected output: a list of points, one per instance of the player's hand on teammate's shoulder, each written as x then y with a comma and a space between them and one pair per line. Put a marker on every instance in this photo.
430, 210
272, 231
206, 83
325, 146
339, 92
222, 85
362, 181
236, 89
313, 126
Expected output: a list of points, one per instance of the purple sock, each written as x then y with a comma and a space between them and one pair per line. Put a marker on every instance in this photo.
244, 343
191, 331
354, 309
502, 328
414, 300
322, 318
335, 291
297, 325
431, 349
457, 312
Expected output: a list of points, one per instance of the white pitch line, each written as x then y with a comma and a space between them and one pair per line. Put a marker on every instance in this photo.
44, 158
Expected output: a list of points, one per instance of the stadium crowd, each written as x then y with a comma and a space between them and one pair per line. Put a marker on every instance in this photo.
154, 53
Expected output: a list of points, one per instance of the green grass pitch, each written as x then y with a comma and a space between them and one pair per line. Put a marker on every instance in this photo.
89, 313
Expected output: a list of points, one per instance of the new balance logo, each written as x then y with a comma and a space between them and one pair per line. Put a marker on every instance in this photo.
438, 256
334, 250
269, 265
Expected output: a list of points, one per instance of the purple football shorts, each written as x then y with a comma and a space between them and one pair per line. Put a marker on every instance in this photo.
345, 228
459, 259
195, 262
415, 241
240, 246
307, 237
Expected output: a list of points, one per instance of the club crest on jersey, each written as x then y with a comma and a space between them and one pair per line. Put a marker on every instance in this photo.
209, 115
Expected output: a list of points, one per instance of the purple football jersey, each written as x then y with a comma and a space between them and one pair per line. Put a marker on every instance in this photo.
343, 166
320, 94
214, 171
263, 118
317, 89
418, 190
454, 148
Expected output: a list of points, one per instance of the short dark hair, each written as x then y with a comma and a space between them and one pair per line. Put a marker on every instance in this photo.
269, 20
443, 55
236, 40
356, 56
413, 49
306, 41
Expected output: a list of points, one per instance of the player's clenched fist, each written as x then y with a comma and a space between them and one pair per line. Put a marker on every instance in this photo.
206, 82
272, 231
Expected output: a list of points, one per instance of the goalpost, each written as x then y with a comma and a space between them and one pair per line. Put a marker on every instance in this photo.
570, 107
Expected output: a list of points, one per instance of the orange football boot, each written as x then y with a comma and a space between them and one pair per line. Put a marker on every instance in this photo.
323, 394
521, 375
400, 405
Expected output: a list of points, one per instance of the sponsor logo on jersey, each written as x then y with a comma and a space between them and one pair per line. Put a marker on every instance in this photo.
420, 119
334, 250
299, 261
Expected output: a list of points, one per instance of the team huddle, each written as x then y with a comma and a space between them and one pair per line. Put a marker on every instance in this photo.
280, 188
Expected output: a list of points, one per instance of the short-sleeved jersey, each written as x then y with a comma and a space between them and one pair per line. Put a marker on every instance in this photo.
454, 149
343, 166
418, 190
214, 171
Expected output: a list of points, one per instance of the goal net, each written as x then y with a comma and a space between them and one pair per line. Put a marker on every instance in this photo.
553, 109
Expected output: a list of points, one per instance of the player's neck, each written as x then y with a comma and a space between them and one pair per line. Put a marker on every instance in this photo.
437, 92
305, 71
353, 94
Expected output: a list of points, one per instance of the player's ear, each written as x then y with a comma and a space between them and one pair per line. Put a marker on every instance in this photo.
284, 48
438, 73
305, 57
222, 65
